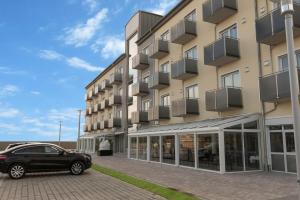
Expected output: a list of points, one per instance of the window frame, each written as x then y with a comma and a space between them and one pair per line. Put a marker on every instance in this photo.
167, 64
195, 92
228, 30
162, 101
165, 36
195, 53
223, 76
192, 14
145, 102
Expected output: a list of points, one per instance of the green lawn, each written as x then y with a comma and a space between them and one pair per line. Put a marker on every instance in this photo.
146, 185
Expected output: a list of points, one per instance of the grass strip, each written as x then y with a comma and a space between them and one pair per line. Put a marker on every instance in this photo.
167, 193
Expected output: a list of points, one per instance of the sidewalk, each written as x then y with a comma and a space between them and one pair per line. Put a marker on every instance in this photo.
208, 185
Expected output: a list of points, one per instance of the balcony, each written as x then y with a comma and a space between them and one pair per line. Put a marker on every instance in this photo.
216, 11
86, 128
105, 85
275, 87
224, 99
221, 52
115, 100
158, 112
95, 108
104, 104
140, 61
160, 49
103, 124
115, 123
140, 89
96, 126
270, 29
184, 69
139, 117
89, 96
159, 80
185, 107
89, 111
115, 79
130, 101
183, 32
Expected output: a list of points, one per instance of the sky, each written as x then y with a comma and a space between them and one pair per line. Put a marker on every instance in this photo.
49, 51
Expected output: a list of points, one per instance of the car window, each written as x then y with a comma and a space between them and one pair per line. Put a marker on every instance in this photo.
51, 150
31, 150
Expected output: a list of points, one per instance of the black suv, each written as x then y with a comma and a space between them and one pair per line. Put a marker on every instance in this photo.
41, 157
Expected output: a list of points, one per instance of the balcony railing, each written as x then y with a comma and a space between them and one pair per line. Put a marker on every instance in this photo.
115, 79
140, 61
159, 80
160, 49
270, 28
184, 69
139, 117
159, 112
115, 100
276, 86
103, 124
140, 89
114, 123
216, 11
183, 32
184, 107
222, 52
104, 104
224, 99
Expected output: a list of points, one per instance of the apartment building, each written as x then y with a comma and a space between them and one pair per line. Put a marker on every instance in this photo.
213, 90
210, 86
104, 109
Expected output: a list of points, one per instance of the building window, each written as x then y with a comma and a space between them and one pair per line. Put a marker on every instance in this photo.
120, 91
231, 80
191, 53
145, 105
192, 92
165, 67
165, 100
120, 70
146, 79
283, 61
119, 113
191, 17
165, 36
146, 50
229, 32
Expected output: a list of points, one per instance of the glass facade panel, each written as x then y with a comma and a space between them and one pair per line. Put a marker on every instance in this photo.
290, 142
154, 148
291, 163
233, 151
278, 162
168, 143
142, 148
251, 125
187, 150
208, 151
251, 151
133, 147
276, 142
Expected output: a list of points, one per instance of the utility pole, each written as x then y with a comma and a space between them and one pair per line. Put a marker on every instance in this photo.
79, 127
287, 9
59, 135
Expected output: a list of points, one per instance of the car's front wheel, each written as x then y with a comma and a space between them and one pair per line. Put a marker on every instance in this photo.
16, 171
77, 168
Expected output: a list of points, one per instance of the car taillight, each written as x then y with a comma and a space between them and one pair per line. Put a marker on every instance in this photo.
3, 157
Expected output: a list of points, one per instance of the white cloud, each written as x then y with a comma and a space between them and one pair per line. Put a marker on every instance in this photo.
74, 62
35, 92
81, 64
163, 7
92, 4
50, 55
9, 112
63, 114
81, 34
8, 90
109, 47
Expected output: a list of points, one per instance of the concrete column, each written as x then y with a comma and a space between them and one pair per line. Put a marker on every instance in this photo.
222, 151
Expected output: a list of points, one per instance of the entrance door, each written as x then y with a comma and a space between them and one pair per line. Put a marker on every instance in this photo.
282, 148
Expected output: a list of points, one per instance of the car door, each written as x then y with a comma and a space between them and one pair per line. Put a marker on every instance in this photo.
56, 159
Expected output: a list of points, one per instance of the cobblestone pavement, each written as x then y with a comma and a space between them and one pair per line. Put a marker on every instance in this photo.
62, 186
209, 185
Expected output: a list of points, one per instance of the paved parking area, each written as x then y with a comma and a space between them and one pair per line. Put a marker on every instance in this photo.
208, 185
63, 186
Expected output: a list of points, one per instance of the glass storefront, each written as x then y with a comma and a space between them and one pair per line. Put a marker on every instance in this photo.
133, 147
208, 151
251, 151
154, 149
142, 149
233, 151
187, 151
168, 153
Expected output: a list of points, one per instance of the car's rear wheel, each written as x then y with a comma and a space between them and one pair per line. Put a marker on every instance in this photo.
16, 171
77, 168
